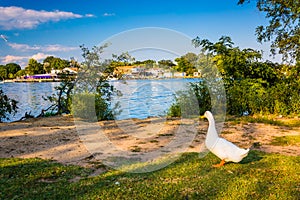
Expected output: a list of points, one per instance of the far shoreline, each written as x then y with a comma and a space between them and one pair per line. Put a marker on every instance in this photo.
60, 80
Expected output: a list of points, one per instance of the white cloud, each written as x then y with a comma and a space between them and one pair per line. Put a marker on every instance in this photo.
57, 47
40, 56
19, 18
90, 15
13, 59
22, 47
108, 14
38, 52
23, 60
45, 48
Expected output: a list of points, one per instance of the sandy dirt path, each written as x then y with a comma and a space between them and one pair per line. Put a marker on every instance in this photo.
56, 138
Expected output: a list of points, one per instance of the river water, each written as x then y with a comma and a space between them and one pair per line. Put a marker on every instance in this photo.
140, 98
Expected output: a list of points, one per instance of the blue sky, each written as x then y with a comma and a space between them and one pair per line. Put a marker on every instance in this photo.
37, 29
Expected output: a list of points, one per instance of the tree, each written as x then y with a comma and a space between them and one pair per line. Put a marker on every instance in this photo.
12, 69
9, 71
34, 67
21, 72
146, 63
93, 87
191, 57
184, 65
55, 63
124, 58
3, 72
7, 106
74, 63
283, 29
47, 67
149, 63
232, 62
253, 86
90, 93
60, 63
166, 64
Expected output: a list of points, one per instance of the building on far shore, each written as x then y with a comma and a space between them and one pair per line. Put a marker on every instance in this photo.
179, 74
69, 70
41, 76
197, 74
54, 75
37, 78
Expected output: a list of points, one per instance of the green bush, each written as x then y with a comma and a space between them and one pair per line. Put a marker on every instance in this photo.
244, 97
191, 102
174, 110
7, 106
91, 107
252, 86
255, 96
285, 98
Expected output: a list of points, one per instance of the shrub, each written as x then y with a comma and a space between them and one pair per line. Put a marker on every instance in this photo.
247, 96
92, 107
7, 106
192, 102
244, 97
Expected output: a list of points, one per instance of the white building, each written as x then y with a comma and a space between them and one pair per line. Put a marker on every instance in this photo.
179, 74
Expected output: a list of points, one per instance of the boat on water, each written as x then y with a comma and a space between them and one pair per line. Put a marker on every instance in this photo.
34, 78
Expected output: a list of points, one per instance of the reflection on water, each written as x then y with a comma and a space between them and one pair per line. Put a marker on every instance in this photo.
140, 99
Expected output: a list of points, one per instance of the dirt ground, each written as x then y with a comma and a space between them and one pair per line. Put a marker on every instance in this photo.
58, 138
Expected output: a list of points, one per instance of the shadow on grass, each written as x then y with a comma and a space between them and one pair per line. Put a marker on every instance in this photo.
189, 177
253, 156
35, 178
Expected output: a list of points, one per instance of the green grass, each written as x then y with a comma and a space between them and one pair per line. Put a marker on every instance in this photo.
258, 176
286, 140
265, 119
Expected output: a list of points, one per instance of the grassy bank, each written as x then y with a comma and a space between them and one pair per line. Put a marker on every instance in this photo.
259, 176
266, 119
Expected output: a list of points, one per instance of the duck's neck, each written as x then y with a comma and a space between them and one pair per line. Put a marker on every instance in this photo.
212, 132
211, 121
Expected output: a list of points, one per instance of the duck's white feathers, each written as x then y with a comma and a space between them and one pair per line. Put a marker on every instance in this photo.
222, 148
228, 151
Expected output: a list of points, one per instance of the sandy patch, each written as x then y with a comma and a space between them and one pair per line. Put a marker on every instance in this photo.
57, 138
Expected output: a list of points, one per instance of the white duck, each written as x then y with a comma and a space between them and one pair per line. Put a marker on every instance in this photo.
225, 150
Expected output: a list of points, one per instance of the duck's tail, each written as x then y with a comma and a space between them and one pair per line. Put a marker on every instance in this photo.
245, 152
